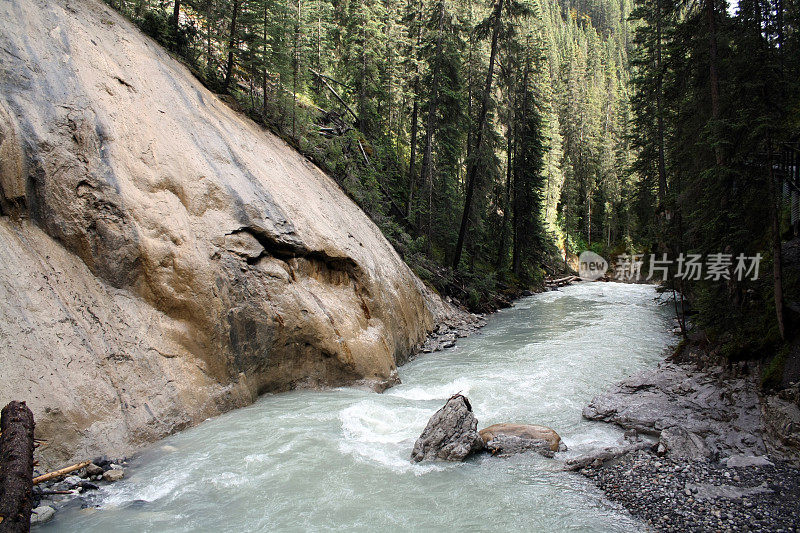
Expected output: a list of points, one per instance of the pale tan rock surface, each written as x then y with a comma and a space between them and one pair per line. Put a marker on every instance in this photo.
163, 259
527, 432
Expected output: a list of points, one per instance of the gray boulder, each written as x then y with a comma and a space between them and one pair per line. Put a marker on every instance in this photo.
113, 475
744, 461
683, 444
697, 414
94, 470
42, 514
451, 433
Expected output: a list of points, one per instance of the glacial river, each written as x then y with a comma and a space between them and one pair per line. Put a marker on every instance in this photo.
339, 459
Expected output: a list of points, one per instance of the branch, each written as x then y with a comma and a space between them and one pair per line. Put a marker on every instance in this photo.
332, 90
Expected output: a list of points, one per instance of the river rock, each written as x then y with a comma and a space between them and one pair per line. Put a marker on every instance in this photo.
744, 461
94, 470
72, 481
451, 433
113, 475
166, 259
42, 514
683, 444
510, 439
696, 414
602, 455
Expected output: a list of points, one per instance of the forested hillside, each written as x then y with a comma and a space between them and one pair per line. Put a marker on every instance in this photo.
488, 139
515, 114
717, 137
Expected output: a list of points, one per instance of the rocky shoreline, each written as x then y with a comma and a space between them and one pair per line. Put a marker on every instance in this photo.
50, 496
717, 454
678, 495
447, 333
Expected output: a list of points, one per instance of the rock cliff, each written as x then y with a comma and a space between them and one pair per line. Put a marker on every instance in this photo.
164, 259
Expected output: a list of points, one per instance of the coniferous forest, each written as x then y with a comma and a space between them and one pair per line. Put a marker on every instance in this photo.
490, 141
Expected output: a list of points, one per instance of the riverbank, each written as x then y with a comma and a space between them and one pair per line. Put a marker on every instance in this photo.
725, 456
679, 495
457, 326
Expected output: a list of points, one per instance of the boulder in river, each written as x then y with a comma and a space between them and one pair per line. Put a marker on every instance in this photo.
509, 439
451, 433
42, 514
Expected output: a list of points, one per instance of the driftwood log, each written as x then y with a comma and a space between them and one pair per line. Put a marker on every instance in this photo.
16, 468
60, 472
561, 281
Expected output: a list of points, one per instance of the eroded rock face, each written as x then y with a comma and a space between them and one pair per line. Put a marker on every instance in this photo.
695, 414
165, 259
510, 439
451, 433
781, 415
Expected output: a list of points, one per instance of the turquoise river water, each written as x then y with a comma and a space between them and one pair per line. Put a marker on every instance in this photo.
339, 459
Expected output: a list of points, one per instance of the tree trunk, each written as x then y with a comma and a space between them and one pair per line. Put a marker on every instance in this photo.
501, 253
713, 74
433, 104
231, 47
662, 167
473, 164
16, 468
777, 271
319, 36
412, 163
520, 198
296, 66
208, 45
589, 217
176, 13
264, 63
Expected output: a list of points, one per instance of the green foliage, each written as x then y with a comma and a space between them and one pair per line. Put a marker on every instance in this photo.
155, 23
712, 107
772, 375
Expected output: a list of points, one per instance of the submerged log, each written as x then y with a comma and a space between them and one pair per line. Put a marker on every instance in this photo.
16, 468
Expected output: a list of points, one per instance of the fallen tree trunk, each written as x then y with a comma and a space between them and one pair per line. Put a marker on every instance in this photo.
332, 90
61, 472
561, 281
16, 468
